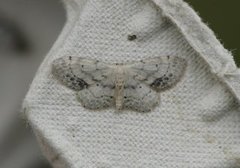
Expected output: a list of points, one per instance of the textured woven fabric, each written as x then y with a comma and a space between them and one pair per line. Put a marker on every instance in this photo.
197, 123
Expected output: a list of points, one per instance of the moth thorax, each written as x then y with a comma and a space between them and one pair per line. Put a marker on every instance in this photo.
119, 79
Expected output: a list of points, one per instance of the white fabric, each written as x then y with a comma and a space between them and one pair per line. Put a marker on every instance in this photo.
197, 123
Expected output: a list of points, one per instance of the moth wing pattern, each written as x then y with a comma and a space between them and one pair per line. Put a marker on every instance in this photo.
90, 78
95, 81
139, 97
97, 97
78, 73
160, 73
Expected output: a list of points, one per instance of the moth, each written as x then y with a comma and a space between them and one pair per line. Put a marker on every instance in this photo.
131, 86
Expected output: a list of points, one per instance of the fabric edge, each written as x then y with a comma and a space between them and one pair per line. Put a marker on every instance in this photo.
53, 155
202, 39
71, 9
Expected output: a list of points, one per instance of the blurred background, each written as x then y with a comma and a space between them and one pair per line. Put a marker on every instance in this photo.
28, 29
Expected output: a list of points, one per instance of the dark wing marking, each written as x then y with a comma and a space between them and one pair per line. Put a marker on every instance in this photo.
160, 73
139, 97
78, 73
